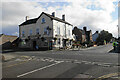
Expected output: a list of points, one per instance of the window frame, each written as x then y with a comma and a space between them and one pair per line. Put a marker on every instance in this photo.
58, 30
23, 33
43, 20
69, 33
30, 32
45, 31
37, 31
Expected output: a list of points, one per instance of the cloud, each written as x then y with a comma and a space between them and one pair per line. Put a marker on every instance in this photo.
96, 15
80, 15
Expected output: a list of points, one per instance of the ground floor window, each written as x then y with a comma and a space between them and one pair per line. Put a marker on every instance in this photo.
23, 42
59, 41
55, 42
46, 43
70, 42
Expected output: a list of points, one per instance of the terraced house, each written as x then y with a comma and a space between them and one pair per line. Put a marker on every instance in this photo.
45, 31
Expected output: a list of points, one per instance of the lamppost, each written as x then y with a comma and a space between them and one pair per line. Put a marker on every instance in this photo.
118, 30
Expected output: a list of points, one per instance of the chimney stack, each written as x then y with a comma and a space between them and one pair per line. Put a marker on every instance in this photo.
96, 31
63, 17
85, 28
53, 14
26, 18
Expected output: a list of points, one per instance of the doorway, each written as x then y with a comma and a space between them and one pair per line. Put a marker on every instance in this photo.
34, 45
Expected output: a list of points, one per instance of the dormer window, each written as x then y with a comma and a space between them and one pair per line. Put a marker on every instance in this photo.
43, 20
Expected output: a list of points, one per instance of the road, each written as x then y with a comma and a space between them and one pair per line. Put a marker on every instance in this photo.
90, 63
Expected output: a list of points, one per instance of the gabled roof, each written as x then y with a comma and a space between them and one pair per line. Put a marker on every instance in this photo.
30, 21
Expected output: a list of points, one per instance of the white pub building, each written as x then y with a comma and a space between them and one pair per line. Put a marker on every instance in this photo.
45, 31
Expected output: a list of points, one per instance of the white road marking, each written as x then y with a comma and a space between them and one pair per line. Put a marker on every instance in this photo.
78, 62
106, 65
68, 61
109, 50
99, 64
84, 61
38, 69
88, 63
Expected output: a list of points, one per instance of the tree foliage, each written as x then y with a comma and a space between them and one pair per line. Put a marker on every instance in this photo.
104, 35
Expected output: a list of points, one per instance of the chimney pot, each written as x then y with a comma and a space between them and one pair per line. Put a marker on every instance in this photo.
63, 17
85, 28
26, 18
53, 14
96, 31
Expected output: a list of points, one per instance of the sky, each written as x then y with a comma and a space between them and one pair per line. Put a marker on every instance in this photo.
94, 14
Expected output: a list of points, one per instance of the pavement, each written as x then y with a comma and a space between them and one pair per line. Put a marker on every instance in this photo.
94, 62
9, 56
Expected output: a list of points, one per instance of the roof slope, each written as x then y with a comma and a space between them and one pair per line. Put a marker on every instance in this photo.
7, 38
30, 21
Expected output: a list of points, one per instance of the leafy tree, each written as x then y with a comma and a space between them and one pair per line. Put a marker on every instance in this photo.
104, 35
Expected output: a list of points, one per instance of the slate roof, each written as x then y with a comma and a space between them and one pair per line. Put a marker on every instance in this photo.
30, 21
7, 38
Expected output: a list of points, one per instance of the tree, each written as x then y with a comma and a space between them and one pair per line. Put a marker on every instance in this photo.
104, 35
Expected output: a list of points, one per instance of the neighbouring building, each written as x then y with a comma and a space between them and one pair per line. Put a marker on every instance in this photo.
79, 34
95, 36
83, 36
7, 41
45, 31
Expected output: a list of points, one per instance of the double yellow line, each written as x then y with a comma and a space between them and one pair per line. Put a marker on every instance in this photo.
15, 64
18, 63
108, 76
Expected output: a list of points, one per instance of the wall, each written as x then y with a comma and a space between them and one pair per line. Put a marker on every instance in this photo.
61, 26
44, 25
63, 32
26, 29
69, 27
95, 36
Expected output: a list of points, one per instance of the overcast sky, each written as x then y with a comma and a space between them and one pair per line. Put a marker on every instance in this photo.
95, 14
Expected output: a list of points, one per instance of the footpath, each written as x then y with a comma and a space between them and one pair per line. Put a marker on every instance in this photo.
7, 56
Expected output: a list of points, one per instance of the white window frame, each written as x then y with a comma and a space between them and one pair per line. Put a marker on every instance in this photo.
58, 30
69, 33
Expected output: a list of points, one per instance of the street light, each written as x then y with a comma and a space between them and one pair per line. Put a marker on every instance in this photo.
118, 30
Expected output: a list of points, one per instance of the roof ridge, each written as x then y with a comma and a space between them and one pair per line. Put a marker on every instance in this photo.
30, 21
